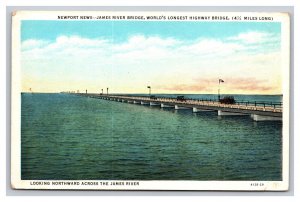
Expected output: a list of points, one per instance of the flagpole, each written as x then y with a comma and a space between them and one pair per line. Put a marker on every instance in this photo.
219, 92
219, 89
149, 90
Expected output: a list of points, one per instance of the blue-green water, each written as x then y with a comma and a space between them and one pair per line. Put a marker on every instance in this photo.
69, 137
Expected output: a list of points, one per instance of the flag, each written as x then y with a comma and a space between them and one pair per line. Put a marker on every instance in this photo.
221, 81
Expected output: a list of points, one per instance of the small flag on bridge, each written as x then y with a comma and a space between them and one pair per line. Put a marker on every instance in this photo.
221, 81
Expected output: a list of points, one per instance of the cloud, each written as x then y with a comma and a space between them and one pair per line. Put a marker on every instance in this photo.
184, 87
146, 47
76, 41
169, 63
249, 84
140, 42
33, 44
254, 37
240, 84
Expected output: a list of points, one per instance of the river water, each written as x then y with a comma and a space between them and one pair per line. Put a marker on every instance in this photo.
68, 137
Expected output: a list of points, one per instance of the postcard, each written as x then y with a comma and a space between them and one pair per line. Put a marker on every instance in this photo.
111, 100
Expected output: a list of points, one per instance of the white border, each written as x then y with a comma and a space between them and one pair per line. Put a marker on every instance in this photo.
144, 185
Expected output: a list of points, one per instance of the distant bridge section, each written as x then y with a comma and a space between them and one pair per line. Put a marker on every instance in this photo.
258, 111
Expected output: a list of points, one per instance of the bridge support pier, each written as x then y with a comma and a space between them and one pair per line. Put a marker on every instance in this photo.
222, 113
144, 103
256, 117
195, 110
136, 102
165, 106
154, 104
179, 107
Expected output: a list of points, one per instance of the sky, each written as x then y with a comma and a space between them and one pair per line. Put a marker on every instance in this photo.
171, 57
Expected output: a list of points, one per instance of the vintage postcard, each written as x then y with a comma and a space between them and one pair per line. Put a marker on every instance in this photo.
150, 100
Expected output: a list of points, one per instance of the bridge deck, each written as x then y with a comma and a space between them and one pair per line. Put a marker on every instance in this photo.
275, 111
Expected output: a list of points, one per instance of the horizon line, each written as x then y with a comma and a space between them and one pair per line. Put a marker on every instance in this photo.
151, 93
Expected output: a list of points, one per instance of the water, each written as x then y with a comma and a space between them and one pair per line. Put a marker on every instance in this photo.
68, 137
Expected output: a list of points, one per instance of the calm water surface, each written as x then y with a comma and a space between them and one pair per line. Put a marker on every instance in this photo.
68, 137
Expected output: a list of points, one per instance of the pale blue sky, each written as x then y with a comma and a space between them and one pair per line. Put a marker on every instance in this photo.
173, 57
121, 30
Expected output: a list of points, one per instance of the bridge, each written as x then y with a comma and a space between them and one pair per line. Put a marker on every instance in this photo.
258, 111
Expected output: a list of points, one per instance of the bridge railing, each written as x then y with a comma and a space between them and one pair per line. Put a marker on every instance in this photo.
214, 101
252, 105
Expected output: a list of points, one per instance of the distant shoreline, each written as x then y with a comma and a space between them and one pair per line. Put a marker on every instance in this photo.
152, 93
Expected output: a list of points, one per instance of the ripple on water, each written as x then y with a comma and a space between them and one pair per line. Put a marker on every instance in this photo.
71, 137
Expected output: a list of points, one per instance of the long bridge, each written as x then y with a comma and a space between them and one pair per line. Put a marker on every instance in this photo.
258, 111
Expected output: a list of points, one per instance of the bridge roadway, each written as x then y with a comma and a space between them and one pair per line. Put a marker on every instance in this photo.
258, 113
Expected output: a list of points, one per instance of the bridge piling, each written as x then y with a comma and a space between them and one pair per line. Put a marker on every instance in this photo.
259, 111
195, 110
165, 106
177, 107
224, 113
154, 104
256, 117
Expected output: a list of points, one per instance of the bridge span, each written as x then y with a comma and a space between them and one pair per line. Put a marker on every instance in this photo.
258, 111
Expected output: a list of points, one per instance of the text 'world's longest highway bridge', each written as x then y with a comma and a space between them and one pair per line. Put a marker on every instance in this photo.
258, 111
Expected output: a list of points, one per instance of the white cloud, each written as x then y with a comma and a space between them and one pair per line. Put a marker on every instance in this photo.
33, 43
254, 37
142, 60
76, 41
